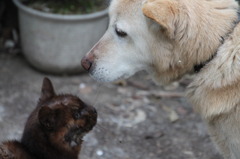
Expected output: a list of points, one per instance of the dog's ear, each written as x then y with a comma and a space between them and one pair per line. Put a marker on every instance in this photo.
47, 90
162, 12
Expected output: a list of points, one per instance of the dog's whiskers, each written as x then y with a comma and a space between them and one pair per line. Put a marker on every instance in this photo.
98, 91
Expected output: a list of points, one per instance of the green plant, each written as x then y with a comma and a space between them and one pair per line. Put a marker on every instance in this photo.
67, 6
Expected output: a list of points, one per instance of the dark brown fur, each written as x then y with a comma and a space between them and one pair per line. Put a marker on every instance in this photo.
54, 130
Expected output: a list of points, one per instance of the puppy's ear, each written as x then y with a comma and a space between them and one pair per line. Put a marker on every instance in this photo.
47, 90
162, 12
47, 118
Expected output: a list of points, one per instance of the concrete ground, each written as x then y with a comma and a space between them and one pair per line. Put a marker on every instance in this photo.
137, 119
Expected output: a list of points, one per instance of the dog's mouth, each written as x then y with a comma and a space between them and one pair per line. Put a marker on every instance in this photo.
104, 75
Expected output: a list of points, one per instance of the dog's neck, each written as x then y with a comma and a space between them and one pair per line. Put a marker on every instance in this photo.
197, 37
215, 89
198, 67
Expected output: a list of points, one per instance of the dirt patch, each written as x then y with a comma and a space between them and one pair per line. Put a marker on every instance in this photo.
67, 6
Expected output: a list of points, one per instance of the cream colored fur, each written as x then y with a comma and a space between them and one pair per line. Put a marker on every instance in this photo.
215, 93
167, 38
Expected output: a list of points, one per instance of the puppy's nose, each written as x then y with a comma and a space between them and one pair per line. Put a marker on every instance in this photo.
87, 63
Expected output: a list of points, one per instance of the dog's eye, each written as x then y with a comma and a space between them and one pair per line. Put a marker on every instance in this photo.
120, 33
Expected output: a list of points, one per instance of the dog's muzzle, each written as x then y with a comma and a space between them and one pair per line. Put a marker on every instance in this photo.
87, 63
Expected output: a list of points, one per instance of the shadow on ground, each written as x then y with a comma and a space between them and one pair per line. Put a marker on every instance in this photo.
137, 119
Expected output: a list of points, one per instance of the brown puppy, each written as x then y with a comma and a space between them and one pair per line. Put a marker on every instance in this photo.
169, 38
54, 130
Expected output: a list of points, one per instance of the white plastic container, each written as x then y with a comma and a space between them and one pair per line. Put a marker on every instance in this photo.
56, 43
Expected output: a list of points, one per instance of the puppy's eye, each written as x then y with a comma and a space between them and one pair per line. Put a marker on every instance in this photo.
120, 33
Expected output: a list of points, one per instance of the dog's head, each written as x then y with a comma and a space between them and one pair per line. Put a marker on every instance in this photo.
164, 37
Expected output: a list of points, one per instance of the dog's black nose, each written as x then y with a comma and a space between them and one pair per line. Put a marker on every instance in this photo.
86, 63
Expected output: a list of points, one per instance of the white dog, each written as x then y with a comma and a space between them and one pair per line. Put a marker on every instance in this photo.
169, 38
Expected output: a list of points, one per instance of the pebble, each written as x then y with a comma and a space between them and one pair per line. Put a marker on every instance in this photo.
99, 152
